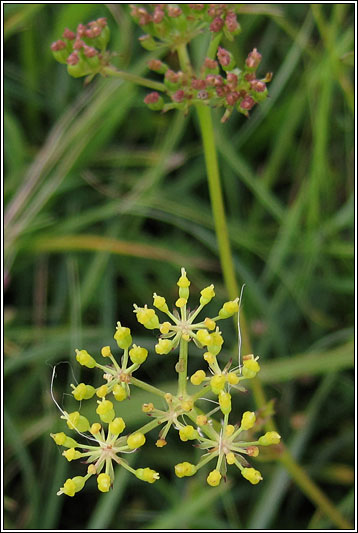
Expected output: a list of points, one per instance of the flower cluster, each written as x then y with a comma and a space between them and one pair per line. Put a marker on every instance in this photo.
220, 439
84, 52
173, 24
219, 84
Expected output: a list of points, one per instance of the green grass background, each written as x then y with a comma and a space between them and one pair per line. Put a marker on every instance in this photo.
106, 200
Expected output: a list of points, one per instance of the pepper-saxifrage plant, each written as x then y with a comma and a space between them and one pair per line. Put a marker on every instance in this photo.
222, 441
219, 83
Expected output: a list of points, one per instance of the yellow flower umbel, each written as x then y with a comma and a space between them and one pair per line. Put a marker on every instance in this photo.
221, 441
106, 447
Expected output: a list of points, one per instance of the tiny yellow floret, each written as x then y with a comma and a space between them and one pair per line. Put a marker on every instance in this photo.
207, 295
271, 437
214, 478
161, 443
63, 440
102, 391
185, 469
104, 482
123, 336
95, 428
105, 411
203, 337
250, 368
248, 420
147, 317
83, 392
229, 309
117, 426
135, 440
225, 402
181, 302
85, 359
138, 355
147, 474
188, 433
183, 280
198, 377
71, 454
217, 383
165, 328
91, 470
252, 475
209, 323
106, 351
229, 430
160, 303
232, 378
164, 346
119, 392
230, 458
77, 421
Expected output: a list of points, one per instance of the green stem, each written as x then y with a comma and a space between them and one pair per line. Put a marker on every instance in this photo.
133, 78
145, 386
182, 367
217, 202
151, 425
184, 60
213, 46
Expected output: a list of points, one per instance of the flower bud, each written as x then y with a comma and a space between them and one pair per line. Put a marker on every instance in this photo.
226, 59
253, 59
154, 101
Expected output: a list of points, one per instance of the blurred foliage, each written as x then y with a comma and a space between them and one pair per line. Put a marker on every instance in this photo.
105, 200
